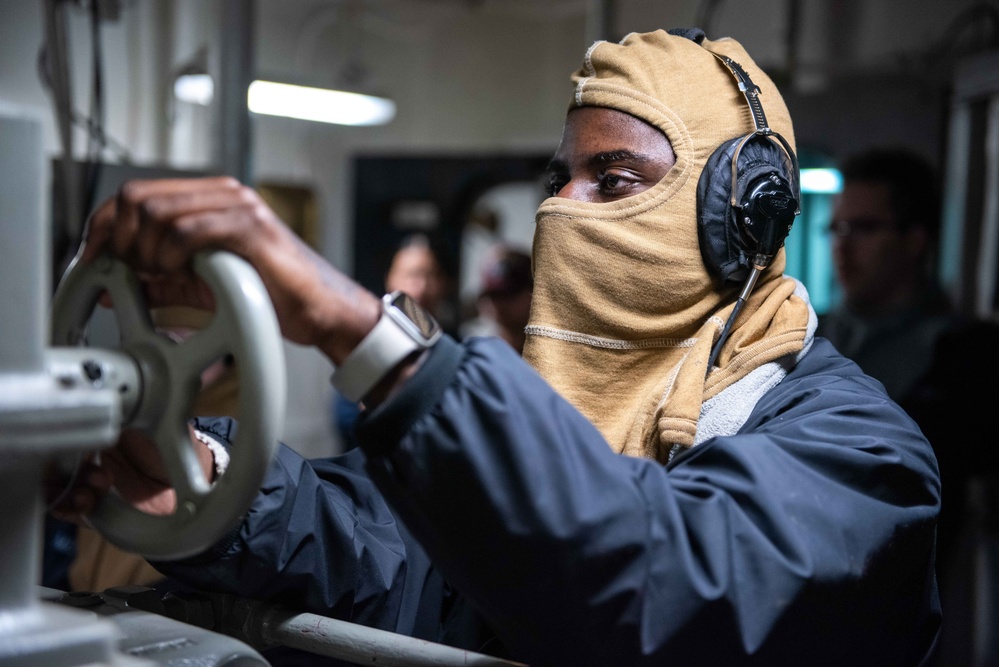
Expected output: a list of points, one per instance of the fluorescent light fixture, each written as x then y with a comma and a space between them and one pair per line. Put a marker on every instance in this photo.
821, 181
194, 88
318, 104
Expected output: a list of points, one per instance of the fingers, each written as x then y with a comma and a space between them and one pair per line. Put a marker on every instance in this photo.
98, 230
132, 468
75, 494
154, 225
174, 225
233, 227
137, 456
157, 226
146, 494
180, 289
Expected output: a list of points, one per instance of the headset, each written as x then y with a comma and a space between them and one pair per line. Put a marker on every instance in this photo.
747, 198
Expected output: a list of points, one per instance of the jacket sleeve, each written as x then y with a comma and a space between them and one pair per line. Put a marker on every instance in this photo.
319, 537
807, 538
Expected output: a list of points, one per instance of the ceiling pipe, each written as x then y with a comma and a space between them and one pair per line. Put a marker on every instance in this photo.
236, 67
601, 21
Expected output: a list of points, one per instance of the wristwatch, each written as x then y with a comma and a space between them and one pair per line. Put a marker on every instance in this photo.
404, 327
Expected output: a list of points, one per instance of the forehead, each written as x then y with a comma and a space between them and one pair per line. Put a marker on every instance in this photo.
864, 199
590, 130
413, 257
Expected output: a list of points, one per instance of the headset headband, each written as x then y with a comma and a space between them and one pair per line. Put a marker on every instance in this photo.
752, 93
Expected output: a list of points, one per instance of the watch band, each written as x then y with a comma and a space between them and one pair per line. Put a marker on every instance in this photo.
395, 337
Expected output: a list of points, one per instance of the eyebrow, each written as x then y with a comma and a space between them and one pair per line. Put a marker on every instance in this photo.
618, 155
556, 165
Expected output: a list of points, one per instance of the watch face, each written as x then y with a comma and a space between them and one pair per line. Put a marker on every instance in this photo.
418, 320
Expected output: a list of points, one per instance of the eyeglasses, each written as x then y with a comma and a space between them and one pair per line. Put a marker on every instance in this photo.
860, 227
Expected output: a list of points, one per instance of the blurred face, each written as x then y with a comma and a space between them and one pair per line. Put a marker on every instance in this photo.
877, 264
511, 312
606, 155
415, 271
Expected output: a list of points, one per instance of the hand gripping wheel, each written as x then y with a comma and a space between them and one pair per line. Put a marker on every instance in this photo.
245, 326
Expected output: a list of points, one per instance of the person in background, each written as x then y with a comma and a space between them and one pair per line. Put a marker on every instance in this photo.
885, 227
420, 269
896, 322
504, 301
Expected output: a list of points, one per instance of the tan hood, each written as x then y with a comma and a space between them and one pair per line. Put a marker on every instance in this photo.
624, 311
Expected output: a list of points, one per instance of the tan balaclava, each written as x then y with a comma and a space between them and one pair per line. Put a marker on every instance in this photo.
624, 311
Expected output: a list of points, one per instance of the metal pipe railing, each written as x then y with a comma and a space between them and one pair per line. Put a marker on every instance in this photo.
264, 626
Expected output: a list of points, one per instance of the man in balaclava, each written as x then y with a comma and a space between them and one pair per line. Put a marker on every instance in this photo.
638, 501
625, 306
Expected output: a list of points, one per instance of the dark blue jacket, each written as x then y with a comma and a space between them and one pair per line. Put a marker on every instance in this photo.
806, 538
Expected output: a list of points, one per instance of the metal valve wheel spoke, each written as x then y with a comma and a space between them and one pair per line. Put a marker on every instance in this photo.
130, 309
187, 359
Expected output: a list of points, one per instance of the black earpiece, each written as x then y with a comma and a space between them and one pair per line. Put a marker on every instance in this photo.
734, 230
747, 198
766, 216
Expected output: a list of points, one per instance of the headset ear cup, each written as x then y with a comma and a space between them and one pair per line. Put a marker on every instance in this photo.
727, 247
716, 231
768, 209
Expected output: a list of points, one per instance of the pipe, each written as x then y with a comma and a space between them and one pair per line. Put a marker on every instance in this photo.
363, 645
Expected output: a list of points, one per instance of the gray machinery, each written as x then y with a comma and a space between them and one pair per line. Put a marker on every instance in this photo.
61, 402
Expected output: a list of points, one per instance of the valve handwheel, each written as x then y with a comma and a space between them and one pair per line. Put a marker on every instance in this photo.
244, 325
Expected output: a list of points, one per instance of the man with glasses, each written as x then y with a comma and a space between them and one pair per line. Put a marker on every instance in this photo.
885, 226
898, 325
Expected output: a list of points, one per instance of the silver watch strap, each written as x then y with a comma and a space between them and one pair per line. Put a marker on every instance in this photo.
379, 352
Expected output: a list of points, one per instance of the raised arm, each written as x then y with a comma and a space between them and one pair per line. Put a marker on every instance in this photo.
769, 543
157, 226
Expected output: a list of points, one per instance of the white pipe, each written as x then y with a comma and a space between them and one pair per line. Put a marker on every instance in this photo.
363, 645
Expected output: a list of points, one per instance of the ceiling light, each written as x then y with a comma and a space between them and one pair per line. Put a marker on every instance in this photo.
319, 104
821, 181
194, 89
